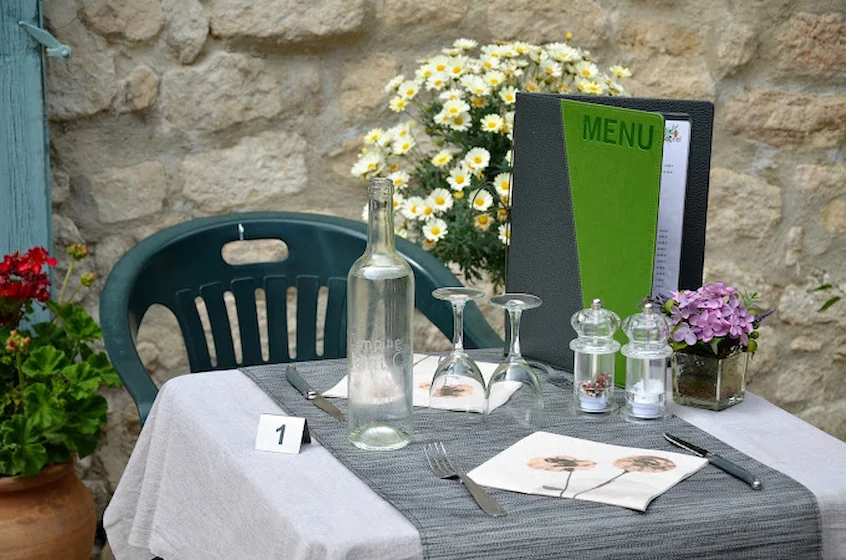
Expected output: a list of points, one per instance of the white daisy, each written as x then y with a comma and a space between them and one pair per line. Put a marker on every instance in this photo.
522, 47
427, 209
494, 78
441, 158
492, 50
392, 85
475, 85
436, 81
451, 94
412, 208
508, 123
501, 214
591, 87
398, 201
451, 51
373, 135
477, 159
480, 102
459, 178
460, 122
508, 95
502, 184
489, 62
455, 107
587, 70
508, 51
509, 156
491, 123
435, 230
402, 145
464, 44
620, 71
456, 66
400, 179
368, 163
439, 63
398, 104
511, 69
482, 200
442, 199
483, 221
550, 68
424, 72
408, 89
443, 118
504, 231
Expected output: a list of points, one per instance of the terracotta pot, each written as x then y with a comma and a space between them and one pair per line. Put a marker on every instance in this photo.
47, 516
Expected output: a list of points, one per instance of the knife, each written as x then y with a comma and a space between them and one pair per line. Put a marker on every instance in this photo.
308, 392
717, 461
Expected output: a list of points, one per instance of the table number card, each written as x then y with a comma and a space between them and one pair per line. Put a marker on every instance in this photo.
281, 434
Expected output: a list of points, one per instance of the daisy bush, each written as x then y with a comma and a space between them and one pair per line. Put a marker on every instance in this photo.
450, 159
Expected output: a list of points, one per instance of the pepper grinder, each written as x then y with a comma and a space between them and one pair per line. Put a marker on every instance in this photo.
594, 350
646, 364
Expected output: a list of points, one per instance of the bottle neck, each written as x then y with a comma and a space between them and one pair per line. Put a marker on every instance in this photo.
380, 210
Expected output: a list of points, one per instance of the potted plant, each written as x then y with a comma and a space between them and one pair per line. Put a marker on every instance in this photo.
51, 412
450, 162
714, 332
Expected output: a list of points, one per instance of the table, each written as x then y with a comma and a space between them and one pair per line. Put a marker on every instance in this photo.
196, 488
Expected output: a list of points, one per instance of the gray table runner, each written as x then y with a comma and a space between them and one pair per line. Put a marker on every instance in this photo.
709, 515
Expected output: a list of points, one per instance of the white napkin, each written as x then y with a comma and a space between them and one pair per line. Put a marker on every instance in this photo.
424, 370
564, 467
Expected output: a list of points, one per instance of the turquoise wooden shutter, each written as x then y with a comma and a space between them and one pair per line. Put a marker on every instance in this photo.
24, 166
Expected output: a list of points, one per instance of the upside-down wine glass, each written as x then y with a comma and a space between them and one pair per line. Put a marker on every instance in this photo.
514, 389
458, 384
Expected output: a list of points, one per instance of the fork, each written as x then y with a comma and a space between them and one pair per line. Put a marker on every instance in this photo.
442, 467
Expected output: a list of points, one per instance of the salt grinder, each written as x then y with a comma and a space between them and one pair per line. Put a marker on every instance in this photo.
594, 350
646, 364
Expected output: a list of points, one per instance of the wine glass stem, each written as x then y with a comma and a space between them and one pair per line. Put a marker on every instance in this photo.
458, 326
514, 316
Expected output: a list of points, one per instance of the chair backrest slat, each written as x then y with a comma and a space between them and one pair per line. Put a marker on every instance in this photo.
185, 310
244, 290
334, 331
276, 294
224, 349
308, 287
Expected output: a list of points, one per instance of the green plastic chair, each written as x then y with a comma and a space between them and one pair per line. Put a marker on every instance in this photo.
183, 262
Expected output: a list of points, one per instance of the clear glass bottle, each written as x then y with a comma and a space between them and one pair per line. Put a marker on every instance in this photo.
380, 309
594, 353
646, 364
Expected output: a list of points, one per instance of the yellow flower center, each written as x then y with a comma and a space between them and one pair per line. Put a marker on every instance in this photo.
586, 72
477, 159
435, 230
459, 179
440, 67
458, 195
492, 124
396, 203
410, 91
398, 182
508, 234
483, 219
480, 202
413, 208
370, 166
456, 69
459, 121
453, 110
503, 186
440, 200
427, 211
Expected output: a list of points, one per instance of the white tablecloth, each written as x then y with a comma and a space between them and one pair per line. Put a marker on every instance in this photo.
196, 488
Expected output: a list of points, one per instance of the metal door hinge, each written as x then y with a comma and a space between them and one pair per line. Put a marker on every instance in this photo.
52, 45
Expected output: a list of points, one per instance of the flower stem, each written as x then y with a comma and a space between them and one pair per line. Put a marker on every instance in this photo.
65, 282
73, 295
21, 381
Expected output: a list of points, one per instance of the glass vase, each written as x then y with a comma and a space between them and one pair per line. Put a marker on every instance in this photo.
709, 382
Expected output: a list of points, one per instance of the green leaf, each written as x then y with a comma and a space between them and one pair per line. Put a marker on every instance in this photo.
79, 324
85, 416
43, 408
715, 345
829, 303
44, 361
822, 287
20, 450
104, 368
84, 380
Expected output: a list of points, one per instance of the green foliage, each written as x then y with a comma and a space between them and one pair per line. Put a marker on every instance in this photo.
51, 409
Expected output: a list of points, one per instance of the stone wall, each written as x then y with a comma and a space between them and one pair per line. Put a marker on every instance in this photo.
174, 109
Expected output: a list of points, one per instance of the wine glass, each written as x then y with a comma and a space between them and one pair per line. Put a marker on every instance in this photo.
514, 390
458, 384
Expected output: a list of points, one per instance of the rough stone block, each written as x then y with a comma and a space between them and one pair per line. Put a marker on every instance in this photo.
285, 21
362, 90
543, 22
830, 178
741, 206
834, 216
135, 20
813, 45
782, 118
225, 90
127, 193
187, 28
139, 90
258, 173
